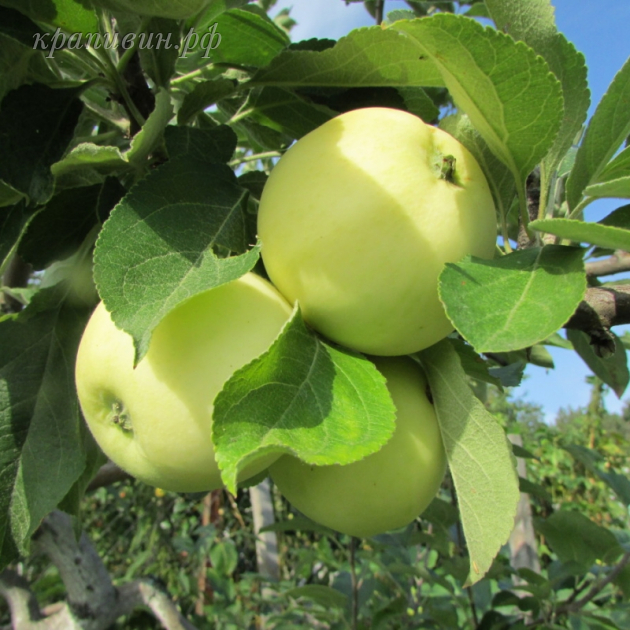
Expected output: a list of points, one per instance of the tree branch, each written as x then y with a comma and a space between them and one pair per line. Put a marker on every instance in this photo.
602, 308
144, 593
597, 588
93, 602
107, 474
619, 261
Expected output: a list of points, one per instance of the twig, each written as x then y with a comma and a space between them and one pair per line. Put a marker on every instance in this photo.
107, 474
379, 9
619, 261
355, 588
602, 308
93, 602
596, 589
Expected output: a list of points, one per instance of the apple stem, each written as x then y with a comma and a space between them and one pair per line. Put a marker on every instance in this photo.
120, 416
447, 170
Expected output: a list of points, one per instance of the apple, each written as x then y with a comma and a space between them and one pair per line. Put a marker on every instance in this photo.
155, 421
387, 489
176, 10
357, 220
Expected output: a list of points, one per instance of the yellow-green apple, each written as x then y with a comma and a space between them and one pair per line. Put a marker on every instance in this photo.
357, 220
155, 421
387, 489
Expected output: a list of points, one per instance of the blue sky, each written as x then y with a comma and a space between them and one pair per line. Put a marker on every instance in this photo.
600, 31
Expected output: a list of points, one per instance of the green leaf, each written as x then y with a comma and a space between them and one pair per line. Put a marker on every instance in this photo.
73, 16
608, 128
159, 61
41, 454
479, 456
203, 95
151, 133
319, 593
248, 37
612, 370
108, 159
302, 397
475, 366
619, 483
286, 112
15, 64
576, 538
418, 102
515, 301
87, 155
215, 145
299, 524
9, 196
156, 249
510, 375
365, 57
499, 177
533, 23
17, 26
13, 224
583, 232
614, 180
69, 215
508, 92
34, 137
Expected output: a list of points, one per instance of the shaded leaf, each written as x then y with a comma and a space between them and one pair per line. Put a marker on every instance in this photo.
323, 595
69, 215
159, 61
17, 26
474, 365
286, 112
203, 95
576, 538
34, 137
619, 483
205, 145
479, 456
156, 249
612, 370
302, 397
41, 454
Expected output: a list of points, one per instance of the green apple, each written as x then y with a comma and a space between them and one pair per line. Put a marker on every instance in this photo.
155, 421
387, 489
174, 9
357, 220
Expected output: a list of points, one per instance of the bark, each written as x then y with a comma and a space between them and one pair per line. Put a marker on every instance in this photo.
266, 542
523, 548
93, 602
601, 309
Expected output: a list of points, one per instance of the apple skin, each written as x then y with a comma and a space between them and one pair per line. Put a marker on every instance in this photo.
356, 225
168, 398
176, 10
387, 489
